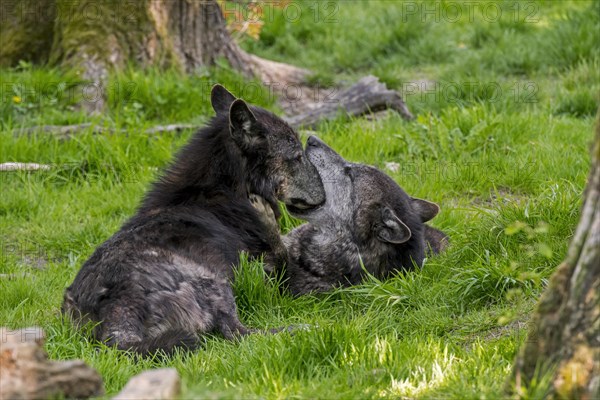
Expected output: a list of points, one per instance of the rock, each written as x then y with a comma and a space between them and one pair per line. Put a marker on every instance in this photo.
159, 384
26, 372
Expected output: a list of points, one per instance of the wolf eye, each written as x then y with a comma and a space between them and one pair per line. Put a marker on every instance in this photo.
348, 171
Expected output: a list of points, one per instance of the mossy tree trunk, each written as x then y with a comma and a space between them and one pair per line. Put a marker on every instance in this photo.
96, 36
26, 31
564, 340
183, 33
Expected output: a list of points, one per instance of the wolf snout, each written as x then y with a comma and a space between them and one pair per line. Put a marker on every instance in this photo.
314, 141
303, 204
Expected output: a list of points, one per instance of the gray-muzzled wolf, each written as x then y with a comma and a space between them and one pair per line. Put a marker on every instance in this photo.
367, 220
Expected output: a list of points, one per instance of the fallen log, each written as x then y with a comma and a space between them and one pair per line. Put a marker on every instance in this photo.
304, 110
66, 131
368, 95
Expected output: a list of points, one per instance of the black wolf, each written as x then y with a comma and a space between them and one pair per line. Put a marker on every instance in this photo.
164, 277
367, 219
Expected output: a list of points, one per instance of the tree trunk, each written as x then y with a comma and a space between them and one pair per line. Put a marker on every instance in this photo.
26, 30
97, 36
563, 347
178, 33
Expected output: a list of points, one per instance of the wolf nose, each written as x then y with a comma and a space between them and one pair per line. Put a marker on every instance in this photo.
313, 141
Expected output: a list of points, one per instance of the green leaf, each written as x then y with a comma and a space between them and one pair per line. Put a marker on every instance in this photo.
545, 250
514, 228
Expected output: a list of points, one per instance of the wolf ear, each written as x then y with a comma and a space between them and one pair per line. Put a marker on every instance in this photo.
221, 99
392, 230
243, 124
425, 209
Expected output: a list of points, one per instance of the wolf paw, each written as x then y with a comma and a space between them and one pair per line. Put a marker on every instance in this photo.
277, 257
264, 211
263, 207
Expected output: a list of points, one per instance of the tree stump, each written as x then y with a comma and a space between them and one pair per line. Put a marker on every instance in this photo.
26, 372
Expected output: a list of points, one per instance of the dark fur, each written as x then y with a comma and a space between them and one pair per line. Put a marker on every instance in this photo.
436, 240
164, 277
367, 218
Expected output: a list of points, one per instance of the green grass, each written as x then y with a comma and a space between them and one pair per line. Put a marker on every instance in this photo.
506, 157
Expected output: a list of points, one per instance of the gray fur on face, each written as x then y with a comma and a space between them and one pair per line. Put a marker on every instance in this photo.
366, 219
